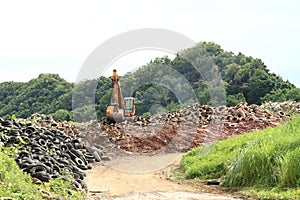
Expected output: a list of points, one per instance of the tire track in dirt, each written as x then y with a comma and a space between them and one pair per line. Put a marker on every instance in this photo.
116, 184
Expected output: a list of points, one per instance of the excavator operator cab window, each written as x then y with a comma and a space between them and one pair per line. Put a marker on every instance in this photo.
128, 104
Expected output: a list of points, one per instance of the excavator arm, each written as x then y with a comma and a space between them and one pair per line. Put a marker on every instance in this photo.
115, 112
120, 107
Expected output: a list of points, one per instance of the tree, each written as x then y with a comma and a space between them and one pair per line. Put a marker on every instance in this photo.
62, 114
243, 77
278, 95
233, 100
293, 94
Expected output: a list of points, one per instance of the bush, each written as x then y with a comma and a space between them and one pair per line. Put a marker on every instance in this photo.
62, 114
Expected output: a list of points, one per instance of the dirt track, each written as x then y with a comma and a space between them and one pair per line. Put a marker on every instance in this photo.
107, 183
130, 175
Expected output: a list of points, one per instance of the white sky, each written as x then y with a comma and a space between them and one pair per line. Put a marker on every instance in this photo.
57, 36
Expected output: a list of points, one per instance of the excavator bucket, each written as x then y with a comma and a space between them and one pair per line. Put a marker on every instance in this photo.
117, 117
114, 114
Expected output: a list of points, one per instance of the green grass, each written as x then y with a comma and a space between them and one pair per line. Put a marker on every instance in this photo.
273, 192
260, 159
16, 184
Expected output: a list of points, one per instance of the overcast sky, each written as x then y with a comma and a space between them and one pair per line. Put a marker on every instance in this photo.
57, 36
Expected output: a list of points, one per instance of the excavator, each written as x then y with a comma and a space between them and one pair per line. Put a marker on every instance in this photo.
120, 108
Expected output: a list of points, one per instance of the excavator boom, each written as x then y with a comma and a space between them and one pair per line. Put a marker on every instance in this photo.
120, 107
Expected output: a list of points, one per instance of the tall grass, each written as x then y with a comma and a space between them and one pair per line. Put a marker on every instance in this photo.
272, 159
290, 167
262, 158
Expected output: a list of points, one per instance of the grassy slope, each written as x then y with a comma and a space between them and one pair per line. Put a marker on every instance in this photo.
266, 163
18, 185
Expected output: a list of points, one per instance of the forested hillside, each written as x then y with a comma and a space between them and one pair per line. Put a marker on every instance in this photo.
244, 78
44, 94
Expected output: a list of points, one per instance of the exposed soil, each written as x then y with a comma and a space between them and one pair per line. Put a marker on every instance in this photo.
144, 150
107, 183
175, 137
181, 130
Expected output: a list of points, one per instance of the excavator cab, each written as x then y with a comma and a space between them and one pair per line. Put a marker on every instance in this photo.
129, 106
120, 107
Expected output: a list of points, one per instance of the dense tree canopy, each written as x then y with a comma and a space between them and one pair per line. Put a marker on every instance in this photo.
45, 94
204, 73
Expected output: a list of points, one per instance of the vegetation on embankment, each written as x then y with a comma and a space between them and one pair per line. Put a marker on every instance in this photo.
243, 78
264, 163
17, 184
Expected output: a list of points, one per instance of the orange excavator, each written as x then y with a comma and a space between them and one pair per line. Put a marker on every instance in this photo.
120, 108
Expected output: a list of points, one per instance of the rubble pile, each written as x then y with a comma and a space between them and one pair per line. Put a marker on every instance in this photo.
289, 107
183, 129
47, 121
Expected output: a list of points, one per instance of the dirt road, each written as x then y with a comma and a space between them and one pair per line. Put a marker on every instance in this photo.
121, 180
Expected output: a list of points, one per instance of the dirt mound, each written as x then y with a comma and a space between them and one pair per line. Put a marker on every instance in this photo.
181, 130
